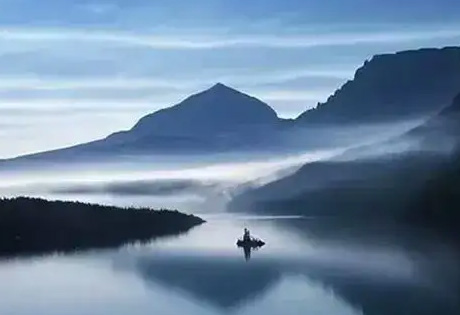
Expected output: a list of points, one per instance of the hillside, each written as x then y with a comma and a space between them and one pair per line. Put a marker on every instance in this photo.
391, 87
218, 109
219, 119
383, 185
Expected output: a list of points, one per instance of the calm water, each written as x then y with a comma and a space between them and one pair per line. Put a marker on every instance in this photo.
305, 268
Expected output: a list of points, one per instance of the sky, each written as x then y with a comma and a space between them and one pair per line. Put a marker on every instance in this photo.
72, 71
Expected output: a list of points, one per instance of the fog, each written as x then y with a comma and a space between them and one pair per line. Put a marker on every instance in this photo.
202, 183
204, 186
387, 140
349, 135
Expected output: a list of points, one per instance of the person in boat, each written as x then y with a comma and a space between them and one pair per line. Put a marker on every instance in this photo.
246, 235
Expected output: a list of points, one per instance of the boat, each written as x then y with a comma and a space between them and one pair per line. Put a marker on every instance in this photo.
252, 243
249, 241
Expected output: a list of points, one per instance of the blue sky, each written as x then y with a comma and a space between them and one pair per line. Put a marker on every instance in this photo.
73, 71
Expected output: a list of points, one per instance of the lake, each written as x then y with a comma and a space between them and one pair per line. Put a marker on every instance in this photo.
307, 267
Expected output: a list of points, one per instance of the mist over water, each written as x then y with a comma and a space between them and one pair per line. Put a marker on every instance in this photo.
187, 186
197, 183
327, 130
309, 265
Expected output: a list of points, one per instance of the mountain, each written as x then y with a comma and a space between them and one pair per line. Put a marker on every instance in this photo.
439, 202
361, 183
390, 87
219, 109
218, 119
444, 126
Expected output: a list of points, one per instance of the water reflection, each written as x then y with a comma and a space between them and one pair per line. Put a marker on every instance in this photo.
302, 270
381, 274
247, 251
223, 283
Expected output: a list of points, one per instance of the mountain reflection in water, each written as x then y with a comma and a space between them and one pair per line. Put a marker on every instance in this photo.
302, 269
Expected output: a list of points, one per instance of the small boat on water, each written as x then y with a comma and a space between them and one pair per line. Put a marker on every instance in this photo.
249, 241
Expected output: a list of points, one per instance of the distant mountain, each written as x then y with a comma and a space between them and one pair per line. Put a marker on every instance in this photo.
389, 87
360, 183
442, 130
439, 201
438, 204
219, 109
219, 119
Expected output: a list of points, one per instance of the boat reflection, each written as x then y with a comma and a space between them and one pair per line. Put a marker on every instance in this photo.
248, 244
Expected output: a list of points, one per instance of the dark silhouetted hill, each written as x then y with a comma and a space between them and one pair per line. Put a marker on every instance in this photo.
218, 109
36, 225
220, 119
439, 202
389, 87
441, 130
372, 186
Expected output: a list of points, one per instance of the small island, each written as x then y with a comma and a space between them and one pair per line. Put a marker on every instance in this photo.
31, 226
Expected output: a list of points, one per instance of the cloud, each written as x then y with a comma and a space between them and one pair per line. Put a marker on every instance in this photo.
230, 173
38, 90
33, 107
73, 71
294, 95
35, 91
178, 42
45, 127
97, 82
46, 83
274, 76
165, 187
99, 8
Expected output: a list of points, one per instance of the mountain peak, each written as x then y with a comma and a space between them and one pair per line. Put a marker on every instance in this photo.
222, 88
399, 86
220, 85
219, 108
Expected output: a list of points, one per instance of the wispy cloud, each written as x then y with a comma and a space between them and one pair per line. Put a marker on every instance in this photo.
43, 128
47, 83
172, 41
89, 106
99, 7
294, 95
229, 172
32, 91
105, 80
117, 82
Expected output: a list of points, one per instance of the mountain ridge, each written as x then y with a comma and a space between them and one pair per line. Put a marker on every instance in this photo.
223, 119
368, 186
217, 119
401, 85
228, 108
